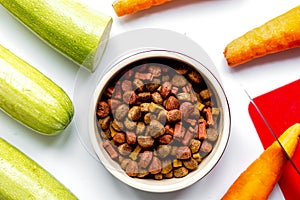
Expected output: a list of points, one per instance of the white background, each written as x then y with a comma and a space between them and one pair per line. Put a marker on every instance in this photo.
210, 23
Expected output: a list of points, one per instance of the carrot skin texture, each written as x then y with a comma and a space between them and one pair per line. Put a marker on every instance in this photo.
259, 179
126, 7
279, 34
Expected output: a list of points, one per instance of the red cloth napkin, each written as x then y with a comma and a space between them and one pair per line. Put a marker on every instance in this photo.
281, 109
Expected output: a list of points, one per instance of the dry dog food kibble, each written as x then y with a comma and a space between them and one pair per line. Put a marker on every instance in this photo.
158, 119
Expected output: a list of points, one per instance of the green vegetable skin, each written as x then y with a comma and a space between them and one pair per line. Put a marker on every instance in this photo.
22, 178
31, 98
76, 31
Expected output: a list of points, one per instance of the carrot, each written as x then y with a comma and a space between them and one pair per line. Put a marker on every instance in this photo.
259, 179
278, 34
125, 7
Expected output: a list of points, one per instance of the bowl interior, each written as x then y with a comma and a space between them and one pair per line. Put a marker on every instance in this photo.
206, 165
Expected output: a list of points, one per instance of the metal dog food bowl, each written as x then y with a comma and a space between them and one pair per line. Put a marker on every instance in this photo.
222, 124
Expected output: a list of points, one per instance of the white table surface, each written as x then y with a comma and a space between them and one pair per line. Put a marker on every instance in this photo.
212, 24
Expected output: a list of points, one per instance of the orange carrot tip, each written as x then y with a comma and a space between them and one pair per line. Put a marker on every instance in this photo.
278, 34
126, 7
259, 179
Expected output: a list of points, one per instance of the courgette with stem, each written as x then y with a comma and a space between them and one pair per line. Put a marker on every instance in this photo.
31, 98
22, 178
73, 29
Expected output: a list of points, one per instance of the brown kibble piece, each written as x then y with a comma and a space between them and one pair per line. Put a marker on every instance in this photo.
167, 166
145, 158
131, 138
119, 138
124, 162
173, 150
155, 166
165, 89
197, 157
183, 152
144, 107
194, 95
140, 128
179, 131
177, 163
142, 173
105, 134
126, 85
134, 113
155, 129
174, 90
129, 97
212, 134
145, 141
129, 124
205, 94
181, 69
195, 114
186, 109
169, 175
163, 151
104, 123
117, 125
165, 78
205, 148
110, 149
192, 122
209, 117
202, 129
162, 116
124, 149
169, 129
138, 84
184, 96
190, 164
121, 112
117, 94
181, 172
179, 80
174, 115
195, 145
151, 87
113, 104
143, 76
155, 70
103, 109
148, 118
165, 139
158, 176
144, 96
157, 98
195, 77
190, 133
172, 103
109, 91
132, 168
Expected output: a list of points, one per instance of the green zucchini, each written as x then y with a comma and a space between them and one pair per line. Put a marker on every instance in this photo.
75, 30
31, 98
23, 178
